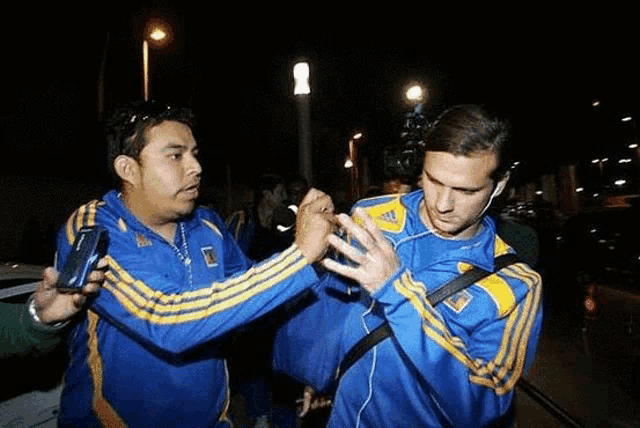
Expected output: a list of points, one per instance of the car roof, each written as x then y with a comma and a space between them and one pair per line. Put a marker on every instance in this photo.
9, 271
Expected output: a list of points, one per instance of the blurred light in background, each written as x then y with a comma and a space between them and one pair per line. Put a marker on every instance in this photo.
301, 77
415, 93
158, 34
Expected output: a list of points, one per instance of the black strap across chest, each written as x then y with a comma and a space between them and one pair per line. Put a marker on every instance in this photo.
384, 331
449, 289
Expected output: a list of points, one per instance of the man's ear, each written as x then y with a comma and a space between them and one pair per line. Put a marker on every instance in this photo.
127, 169
502, 184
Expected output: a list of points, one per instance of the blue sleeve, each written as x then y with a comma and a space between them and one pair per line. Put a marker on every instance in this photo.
146, 305
308, 346
476, 372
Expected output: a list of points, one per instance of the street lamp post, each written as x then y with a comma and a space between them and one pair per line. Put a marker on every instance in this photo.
157, 34
145, 68
353, 165
301, 92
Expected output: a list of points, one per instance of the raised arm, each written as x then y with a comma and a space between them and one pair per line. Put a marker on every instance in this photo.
146, 304
477, 363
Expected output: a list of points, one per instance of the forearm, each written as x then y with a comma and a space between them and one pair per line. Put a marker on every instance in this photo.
462, 381
308, 346
22, 336
177, 322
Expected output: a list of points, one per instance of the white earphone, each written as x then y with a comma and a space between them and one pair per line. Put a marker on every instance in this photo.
499, 188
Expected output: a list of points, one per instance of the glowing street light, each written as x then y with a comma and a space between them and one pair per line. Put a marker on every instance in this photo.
627, 119
415, 94
301, 78
156, 33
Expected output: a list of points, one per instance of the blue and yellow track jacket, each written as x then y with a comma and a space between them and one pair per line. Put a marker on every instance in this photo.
143, 354
455, 364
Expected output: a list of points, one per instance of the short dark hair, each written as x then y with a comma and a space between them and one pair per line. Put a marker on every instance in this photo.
266, 181
468, 129
126, 128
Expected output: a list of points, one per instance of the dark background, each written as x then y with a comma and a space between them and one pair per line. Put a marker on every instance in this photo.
541, 67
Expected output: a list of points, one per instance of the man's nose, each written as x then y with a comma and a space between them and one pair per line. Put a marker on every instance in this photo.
194, 166
444, 202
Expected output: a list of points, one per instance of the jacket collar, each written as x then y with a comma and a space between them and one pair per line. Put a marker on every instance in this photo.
477, 250
115, 202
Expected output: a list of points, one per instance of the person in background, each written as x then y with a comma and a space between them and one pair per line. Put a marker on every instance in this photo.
395, 186
260, 236
269, 229
297, 187
243, 198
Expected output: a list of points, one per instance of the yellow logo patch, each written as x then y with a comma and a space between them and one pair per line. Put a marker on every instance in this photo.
390, 216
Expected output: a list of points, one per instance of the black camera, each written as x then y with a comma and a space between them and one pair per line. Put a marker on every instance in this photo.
405, 159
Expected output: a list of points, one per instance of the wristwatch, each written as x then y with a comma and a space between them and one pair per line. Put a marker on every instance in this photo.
32, 311
34, 315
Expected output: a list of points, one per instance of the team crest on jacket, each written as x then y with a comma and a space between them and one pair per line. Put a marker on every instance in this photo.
209, 256
459, 301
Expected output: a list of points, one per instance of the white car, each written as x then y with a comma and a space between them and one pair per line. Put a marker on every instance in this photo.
29, 401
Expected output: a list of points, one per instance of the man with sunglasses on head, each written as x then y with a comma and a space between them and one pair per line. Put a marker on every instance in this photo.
145, 353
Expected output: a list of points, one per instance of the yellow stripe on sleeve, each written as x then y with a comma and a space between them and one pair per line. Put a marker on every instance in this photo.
530, 311
451, 348
416, 293
500, 292
497, 288
514, 341
256, 273
156, 307
152, 312
80, 218
83, 216
69, 229
103, 410
511, 355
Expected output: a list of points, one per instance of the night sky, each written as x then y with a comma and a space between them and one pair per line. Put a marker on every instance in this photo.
541, 68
